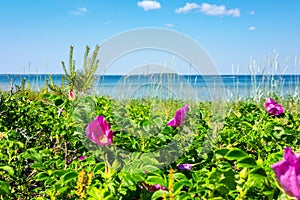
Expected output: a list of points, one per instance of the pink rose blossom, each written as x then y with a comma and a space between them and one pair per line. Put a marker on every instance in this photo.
273, 108
179, 116
288, 173
98, 131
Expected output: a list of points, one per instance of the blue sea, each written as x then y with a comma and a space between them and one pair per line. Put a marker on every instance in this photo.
206, 87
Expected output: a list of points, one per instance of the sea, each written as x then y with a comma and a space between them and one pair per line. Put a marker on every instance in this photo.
206, 87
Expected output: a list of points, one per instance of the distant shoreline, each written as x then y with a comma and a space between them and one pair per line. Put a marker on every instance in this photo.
10, 74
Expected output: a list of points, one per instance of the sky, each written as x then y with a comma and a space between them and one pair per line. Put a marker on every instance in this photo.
36, 35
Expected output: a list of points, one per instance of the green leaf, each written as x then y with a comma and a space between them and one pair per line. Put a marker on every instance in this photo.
58, 102
62, 190
52, 96
179, 176
149, 168
246, 162
59, 173
158, 194
179, 185
156, 180
221, 152
4, 188
98, 169
236, 154
258, 173
45, 96
70, 176
41, 176
9, 170
37, 165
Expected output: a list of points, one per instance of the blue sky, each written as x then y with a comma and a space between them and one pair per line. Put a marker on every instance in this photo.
36, 35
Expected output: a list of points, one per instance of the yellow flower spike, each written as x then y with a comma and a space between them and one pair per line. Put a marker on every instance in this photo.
89, 182
80, 192
171, 180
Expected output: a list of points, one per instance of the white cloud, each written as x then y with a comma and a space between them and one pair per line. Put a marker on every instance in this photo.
79, 11
209, 9
169, 25
187, 8
252, 28
149, 5
252, 12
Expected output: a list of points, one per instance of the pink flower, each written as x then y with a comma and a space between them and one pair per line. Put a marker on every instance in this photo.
82, 158
154, 188
72, 94
288, 173
187, 167
159, 187
179, 116
98, 131
273, 108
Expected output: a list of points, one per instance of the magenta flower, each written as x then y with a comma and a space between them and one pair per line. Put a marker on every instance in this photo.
187, 167
82, 158
288, 173
159, 187
273, 108
154, 188
179, 116
98, 131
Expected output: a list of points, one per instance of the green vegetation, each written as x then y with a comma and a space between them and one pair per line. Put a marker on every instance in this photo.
230, 147
79, 80
42, 141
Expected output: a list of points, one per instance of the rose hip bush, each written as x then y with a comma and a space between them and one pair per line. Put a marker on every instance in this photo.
61, 147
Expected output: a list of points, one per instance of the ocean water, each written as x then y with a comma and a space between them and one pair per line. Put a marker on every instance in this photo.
173, 85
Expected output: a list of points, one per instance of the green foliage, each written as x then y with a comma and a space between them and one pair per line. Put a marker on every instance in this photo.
77, 79
70, 74
42, 137
81, 80
59, 90
86, 77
